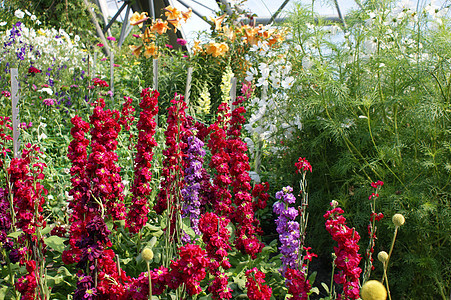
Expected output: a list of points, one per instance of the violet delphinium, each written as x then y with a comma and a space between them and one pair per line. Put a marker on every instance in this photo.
193, 178
287, 228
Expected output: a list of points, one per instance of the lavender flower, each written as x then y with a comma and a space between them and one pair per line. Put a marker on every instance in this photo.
287, 228
193, 177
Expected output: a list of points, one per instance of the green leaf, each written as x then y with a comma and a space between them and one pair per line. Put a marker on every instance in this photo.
55, 242
15, 234
314, 290
46, 230
325, 287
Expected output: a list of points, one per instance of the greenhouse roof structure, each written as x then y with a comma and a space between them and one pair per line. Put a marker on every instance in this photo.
265, 11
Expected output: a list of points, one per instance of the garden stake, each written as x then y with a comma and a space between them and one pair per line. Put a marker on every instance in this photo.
15, 109
111, 76
188, 85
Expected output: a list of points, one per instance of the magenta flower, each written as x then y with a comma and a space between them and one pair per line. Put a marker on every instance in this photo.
181, 42
49, 101
111, 38
99, 45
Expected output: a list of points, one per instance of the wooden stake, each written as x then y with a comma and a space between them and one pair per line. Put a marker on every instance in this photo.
232, 92
112, 75
188, 85
15, 109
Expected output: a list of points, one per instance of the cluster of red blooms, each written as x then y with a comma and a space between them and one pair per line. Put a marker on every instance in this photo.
248, 227
28, 197
106, 183
189, 269
96, 184
100, 82
372, 224
5, 123
216, 236
217, 144
138, 289
297, 283
137, 214
173, 164
303, 165
256, 289
33, 70
348, 258
127, 112
260, 194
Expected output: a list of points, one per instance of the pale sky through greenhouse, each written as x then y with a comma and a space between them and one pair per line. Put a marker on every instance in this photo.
262, 8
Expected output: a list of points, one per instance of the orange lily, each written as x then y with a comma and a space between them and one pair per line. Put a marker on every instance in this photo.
138, 18
217, 21
173, 13
151, 50
148, 36
136, 50
217, 49
186, 15
159, 26
197, 47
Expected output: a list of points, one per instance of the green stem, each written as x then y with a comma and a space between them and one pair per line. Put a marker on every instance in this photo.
150, 280
391, 250
386, 280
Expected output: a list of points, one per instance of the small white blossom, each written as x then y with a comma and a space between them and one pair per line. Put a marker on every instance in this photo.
19, 14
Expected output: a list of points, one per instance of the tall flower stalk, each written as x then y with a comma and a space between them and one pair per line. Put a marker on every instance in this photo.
141, 189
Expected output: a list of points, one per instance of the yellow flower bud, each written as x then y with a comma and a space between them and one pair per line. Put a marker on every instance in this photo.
147, 254
373, 290
382, 256
398, 220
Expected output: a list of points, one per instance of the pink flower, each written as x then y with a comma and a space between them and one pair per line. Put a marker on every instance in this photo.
111, 38
103, 59
6, 94
169, 46
136, 36
181, 42
303, 165
99, 45
49, 101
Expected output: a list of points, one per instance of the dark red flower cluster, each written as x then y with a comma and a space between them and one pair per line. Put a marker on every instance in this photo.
106, 183
217, 144
298, 284
5, 123
100, 82
97, 191
141, 189
247, 226
127, 112
375, 217
25, 174
348, 258
189, 269
216, 236
173, 164
259, 192
303, 165
27, 284
33, 70
138, 289
256, 289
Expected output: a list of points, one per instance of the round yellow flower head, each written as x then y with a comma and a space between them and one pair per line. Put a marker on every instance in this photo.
382, 256
398, 220
147, 254
373, 290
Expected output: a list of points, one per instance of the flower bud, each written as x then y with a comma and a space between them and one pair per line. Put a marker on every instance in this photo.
382, 256
398, 220
147, 254
373, 290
